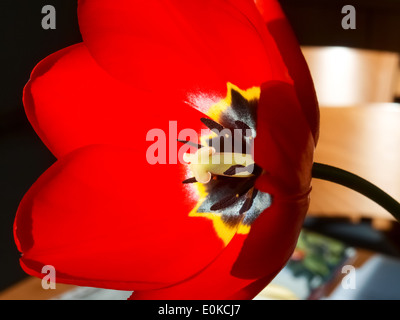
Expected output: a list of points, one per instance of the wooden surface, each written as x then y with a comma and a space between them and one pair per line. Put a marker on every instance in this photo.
364, 140
31, 289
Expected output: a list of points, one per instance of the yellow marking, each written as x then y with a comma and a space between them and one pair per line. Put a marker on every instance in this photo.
216, 110
243, 229
224, 231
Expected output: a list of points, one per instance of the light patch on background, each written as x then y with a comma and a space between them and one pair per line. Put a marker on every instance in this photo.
349, 77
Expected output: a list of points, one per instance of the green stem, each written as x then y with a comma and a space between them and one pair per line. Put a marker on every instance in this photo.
356, 183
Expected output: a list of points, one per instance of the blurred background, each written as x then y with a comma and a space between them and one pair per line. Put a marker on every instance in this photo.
356, 74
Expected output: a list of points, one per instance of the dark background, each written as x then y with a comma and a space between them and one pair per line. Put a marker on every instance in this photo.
23, 157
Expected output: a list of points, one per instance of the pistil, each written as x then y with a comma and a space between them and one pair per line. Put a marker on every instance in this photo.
206, 162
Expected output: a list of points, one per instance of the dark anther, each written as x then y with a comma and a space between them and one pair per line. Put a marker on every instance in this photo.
190, 143
244, 127
190, 180
224, 203
250, 196
234, 196
234, 170
211, 124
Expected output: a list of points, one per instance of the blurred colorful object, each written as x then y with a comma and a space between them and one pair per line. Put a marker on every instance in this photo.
103, 216
315, 266
322, 257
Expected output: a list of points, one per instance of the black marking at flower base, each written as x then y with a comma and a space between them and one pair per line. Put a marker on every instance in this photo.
241, 110
244, 208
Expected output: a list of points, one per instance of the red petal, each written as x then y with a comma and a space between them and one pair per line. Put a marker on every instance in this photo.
249, 262
71, 102
284, 145
213, 283
272, 238
103, 217
183, 46
281, 31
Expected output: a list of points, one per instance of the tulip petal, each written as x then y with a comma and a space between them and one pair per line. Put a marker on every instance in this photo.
71, 102
248, 263
270, 242
203, 285
284, 145
272, 238
281, 31
104, 217
187, 46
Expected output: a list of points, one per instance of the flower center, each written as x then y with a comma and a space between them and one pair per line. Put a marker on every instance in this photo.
222, 170
228, 177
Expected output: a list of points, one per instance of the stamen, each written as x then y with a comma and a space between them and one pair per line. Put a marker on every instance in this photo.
232, 170
190, 180
250, 196
241, 125
235, 169
232, 198
224, 203
211, 124
190, 143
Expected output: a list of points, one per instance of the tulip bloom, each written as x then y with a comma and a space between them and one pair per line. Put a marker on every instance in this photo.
104, 216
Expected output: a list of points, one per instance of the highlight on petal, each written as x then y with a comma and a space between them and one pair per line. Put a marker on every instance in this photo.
103, 217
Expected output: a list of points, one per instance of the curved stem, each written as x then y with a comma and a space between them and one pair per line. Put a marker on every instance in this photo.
356, 183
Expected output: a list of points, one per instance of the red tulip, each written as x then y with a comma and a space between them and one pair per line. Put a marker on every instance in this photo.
104, 216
